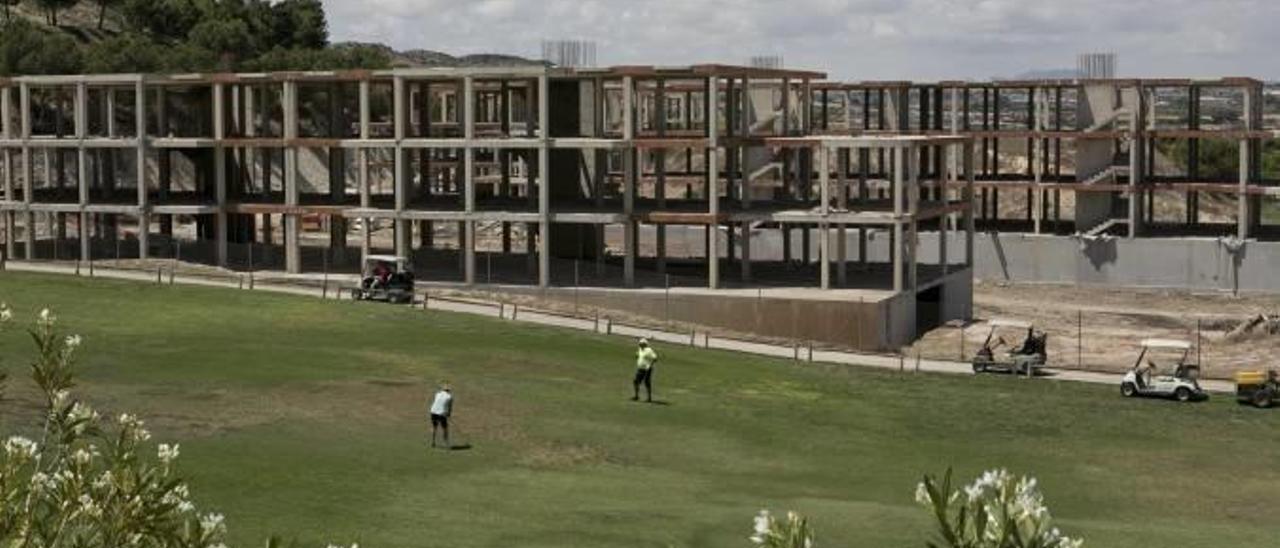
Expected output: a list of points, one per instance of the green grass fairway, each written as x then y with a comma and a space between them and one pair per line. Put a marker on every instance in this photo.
307, 419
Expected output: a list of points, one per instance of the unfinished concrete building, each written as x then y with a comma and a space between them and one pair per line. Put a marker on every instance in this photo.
630, 184
1129, 182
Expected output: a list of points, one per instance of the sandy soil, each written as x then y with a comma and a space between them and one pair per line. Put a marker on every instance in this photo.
1097, 328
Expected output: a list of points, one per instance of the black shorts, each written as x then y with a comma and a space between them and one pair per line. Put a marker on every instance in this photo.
439, 420
643, 375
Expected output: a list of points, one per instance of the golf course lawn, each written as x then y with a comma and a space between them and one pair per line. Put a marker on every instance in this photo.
307, 419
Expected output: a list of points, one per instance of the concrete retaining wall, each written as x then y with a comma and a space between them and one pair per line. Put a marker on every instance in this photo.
1182, 263
868, 326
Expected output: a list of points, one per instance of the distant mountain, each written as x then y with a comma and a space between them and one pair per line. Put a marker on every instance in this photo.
423, 58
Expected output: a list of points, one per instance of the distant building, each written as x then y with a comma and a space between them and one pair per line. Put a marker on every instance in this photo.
772, 62
570, 53
1096, 66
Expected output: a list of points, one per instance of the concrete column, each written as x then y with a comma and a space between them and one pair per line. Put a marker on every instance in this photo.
1036, 158
629, 178
746, 250
824, 236
944, 181
220, 175
911, 244
1242, 196
842, 204
544, 182
969, 223
362, 158
1243, 220
292, 221
6, 156
403, 239
1135, 164
144, 206
713, 184
899, 164
82, 167
467, 104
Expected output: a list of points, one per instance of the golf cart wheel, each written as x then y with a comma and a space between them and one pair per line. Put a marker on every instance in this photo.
1262, 399
1182, 394
979, 367
1128, 390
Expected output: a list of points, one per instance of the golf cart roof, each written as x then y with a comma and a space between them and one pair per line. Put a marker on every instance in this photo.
1166, 343
1002, 322
385, 258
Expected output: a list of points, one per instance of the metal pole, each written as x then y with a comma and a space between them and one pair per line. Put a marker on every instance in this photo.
575, 287
1198, 340
667, 303
1079, 339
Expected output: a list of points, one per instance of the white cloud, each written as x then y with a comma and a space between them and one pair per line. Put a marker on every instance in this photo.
862, 39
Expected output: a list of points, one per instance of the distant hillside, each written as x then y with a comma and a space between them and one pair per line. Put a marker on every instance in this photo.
418, 58
79, 21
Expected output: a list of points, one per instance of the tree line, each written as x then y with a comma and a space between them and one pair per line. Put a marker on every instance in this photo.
176, 36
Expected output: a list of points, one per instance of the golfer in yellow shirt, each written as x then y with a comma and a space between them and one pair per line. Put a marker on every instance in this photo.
645, 359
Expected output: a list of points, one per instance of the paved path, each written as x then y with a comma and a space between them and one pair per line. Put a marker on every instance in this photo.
602, 325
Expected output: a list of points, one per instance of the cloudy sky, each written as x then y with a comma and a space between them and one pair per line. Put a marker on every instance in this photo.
850, 39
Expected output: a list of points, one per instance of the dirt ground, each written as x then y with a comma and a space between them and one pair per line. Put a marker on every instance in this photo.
1099, 328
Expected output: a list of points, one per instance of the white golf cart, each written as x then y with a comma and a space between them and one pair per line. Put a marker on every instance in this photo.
385, 278
1025, 358
1177, 380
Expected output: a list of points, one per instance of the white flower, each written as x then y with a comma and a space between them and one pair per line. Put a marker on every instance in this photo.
47, 318
763, 523
83, 457
5, 313
167, 453
104, 481
89, 507
212, 524
20, 448
922, 495
60, 398
72, 342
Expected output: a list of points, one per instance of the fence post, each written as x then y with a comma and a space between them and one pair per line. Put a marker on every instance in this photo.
810, 351
426, 298
171, 276
159, 271
693, 337
961, 340
596, 328
795, 351
608, 326
917, 361
902, 362
90, 267
1079, 339
251, 280
1199, 358
241, 282
324, 290
77, 267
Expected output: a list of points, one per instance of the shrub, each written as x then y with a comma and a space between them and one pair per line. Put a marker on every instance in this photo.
998, 510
